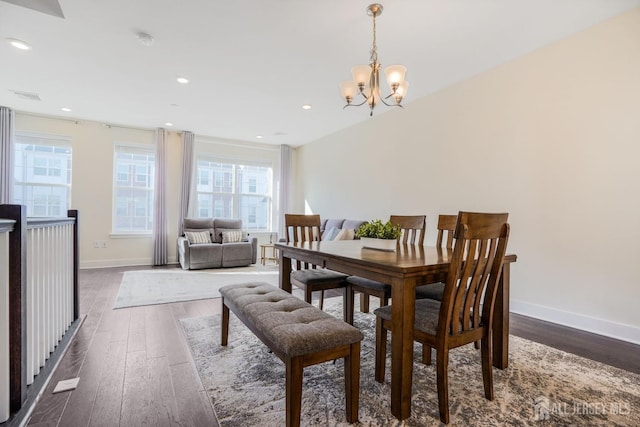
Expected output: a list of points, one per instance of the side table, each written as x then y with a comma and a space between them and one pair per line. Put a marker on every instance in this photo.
263, 253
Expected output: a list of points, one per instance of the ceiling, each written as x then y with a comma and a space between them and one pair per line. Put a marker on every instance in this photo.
252, 64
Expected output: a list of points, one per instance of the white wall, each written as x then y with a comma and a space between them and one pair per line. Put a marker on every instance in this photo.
553, 138
92, 183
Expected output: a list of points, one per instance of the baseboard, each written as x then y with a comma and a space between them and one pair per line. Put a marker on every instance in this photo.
594, 325
106, 263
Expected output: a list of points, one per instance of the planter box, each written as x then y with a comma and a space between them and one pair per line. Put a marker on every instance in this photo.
380, 244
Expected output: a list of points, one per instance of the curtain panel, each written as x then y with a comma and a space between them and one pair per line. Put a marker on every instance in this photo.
160, 203
185, 178
284, 193
7, 117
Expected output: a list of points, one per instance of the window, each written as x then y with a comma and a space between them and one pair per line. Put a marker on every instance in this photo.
42, 174
237, 190
134, 168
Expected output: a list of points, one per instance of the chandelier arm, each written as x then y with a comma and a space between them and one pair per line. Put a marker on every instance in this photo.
390, 105
356, 105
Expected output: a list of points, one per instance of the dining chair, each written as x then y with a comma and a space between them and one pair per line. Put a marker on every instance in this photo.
446, 230
413, 230
465, 314
309, 278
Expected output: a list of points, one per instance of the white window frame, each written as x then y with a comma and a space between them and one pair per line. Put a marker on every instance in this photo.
133, 174
49, 140
217, 179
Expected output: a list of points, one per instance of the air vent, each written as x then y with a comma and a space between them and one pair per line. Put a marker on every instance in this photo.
27, 95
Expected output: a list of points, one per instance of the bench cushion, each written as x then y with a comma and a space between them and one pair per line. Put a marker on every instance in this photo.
295, 327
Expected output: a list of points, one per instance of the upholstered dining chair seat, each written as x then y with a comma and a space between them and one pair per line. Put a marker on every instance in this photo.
316, 276
371, 284
432, 291
427, 313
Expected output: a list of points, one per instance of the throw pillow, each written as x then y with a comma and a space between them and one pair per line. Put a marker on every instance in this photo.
346, 234
330, 234
231, 236
197, 237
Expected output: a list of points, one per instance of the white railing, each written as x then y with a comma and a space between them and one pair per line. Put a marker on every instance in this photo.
50, 291
38, 304
5, 228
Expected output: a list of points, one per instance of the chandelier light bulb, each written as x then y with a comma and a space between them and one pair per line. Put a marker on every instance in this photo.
361, 74
395, 74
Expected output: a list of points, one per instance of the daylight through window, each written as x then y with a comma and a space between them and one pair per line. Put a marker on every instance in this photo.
42, 174
235, 190
134, 168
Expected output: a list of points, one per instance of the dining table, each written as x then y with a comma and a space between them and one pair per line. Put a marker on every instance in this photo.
404, 269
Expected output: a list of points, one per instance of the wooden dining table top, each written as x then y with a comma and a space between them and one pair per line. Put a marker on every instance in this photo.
406, 261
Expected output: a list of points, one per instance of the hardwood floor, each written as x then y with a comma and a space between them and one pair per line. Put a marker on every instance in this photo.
135, 367
134, 364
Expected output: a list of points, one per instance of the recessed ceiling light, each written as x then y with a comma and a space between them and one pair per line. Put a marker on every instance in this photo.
168, 124
306, 107
259, 136
19, 44
66, 109
182, 80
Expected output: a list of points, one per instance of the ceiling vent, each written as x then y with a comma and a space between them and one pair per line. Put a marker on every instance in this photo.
27, 95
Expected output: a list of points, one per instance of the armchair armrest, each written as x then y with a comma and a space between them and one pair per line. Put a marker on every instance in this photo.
254, 250
183, 252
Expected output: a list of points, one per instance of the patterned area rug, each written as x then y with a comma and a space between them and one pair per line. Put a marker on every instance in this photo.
161, 286
541, 387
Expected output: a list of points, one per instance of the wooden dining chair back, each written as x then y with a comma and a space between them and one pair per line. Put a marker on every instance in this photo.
446, 230
413, 229
309, 278
465, 314
302, 228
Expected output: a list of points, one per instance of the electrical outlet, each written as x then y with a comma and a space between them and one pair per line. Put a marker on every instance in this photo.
103, 244
96, 243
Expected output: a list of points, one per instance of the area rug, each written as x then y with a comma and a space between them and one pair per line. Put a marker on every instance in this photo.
147, 287
541, 387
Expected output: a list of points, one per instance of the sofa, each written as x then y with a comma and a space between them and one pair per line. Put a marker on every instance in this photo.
215, 243
339, 228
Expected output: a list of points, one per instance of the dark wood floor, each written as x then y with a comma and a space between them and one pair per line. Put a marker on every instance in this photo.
135, 367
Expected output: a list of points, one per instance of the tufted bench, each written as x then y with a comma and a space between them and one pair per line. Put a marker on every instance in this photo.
299, 334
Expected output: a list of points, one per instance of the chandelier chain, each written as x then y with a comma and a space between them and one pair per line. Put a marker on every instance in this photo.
374, 46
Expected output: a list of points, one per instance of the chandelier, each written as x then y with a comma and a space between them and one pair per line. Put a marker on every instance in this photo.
366, 78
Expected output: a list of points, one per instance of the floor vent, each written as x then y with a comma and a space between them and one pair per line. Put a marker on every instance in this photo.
66, 385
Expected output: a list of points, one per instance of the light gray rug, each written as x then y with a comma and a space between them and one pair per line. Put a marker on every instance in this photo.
161, 286
541, 387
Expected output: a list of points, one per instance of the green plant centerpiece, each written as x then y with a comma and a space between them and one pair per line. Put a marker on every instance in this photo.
379, 235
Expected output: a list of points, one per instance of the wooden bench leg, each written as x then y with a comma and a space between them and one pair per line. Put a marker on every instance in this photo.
352, 382
224, 329
293, 391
